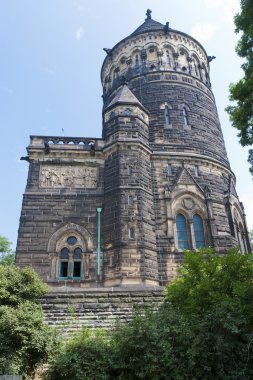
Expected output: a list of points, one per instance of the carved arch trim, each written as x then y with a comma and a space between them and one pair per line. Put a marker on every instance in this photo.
69, 228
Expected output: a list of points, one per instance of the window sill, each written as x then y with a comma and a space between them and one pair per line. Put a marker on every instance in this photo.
167, 126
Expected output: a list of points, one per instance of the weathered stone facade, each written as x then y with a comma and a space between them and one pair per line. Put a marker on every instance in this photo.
71, 309
160, 174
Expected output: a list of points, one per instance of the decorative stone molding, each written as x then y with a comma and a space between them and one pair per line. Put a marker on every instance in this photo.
68, 176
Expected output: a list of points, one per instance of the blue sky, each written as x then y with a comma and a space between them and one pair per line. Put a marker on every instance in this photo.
51, 55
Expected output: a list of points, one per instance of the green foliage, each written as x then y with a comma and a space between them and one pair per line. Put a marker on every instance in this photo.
241, 114
26, 341
152, 347
19, 285
86, 356
4, 245
203, 331
7, 257
208, 281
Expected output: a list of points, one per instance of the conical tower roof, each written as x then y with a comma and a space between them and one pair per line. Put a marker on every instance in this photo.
125, 96
148, 25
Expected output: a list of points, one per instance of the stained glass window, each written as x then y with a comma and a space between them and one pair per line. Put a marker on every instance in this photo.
71, 240
198, 231
182, 234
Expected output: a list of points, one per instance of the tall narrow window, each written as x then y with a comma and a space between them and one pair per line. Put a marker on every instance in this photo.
130, 200
64, 263
198, 231
129, 170
185, 115
131, 232
169, 169
77, 263
137, 63
182, 234
196, 170
167, 115
168, 57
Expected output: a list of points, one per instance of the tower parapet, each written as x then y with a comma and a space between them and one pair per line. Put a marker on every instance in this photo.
153, 48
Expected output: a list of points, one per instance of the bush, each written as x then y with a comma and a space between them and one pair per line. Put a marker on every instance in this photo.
203, 331
26, 341
86, 356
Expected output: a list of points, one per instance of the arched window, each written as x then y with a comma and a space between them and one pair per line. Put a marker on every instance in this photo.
71, 258
182, 234
131, 233
77, 263
137, 63
168, 57
130, 200
198, 231
169, 169
167, 115
64, 262
186, 116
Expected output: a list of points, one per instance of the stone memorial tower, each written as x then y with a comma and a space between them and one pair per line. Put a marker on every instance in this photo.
121, 209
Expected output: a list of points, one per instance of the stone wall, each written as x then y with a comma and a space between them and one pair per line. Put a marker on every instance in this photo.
69, 309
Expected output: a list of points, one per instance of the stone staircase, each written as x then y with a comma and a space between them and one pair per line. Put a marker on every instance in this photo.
70, 309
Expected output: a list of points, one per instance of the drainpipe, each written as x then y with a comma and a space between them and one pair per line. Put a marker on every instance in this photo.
98, 248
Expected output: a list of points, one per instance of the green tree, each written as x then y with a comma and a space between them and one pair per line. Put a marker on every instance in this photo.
241, 114
7, 257
26, 341
203, 331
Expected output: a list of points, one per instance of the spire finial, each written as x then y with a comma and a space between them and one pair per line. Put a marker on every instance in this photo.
148, 14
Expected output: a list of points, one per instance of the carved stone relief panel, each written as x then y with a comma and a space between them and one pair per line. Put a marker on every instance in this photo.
188, 203
68, 176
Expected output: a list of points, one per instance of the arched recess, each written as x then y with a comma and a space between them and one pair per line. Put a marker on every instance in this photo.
195, 64
185, 113
190, 204
168, 55
69, 249
167, 109
152, 49
183, 58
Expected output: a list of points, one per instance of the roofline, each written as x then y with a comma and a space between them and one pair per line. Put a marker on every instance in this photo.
126, 103
148, 31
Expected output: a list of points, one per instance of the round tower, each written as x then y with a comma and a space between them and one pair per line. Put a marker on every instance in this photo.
194, 198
